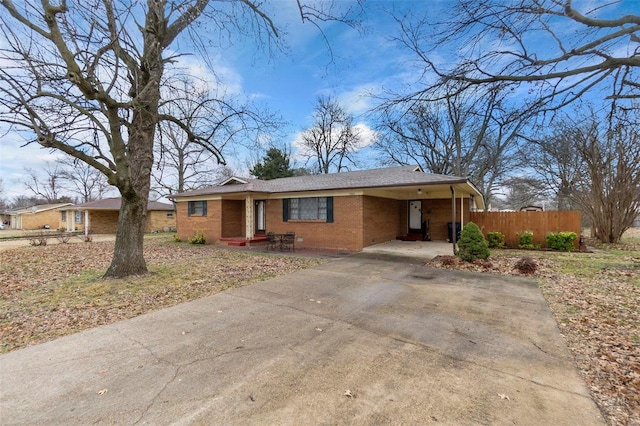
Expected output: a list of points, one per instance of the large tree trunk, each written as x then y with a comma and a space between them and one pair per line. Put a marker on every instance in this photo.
128, 256
134, 165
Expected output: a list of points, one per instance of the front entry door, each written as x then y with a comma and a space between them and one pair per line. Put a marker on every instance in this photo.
415, 216
259, 213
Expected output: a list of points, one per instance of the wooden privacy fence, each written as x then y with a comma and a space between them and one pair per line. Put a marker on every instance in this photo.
540, 223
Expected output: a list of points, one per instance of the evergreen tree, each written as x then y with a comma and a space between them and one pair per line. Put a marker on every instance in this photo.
472, 245
275, 164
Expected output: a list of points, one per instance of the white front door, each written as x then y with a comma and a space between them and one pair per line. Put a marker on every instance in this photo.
415, 215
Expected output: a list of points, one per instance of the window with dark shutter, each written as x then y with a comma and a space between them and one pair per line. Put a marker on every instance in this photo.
197, 208
285, 210
311, 208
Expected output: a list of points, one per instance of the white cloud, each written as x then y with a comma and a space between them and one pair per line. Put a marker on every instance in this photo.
358, 100
368, 136
223, 78
15, 159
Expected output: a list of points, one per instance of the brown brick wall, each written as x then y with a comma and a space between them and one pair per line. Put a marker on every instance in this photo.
101, 222
209, 225
383, 219
233, 218
158, 221
438, 211
40, 219
345, 233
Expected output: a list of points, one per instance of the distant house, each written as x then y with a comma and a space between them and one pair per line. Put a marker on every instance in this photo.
36, 217
101, 216
532, 209
349, 210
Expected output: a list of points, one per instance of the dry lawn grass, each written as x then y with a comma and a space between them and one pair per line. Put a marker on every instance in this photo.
48, 292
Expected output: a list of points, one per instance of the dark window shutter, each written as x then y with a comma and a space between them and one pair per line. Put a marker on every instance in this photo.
189, 207
329, 209
285, 210
204, 208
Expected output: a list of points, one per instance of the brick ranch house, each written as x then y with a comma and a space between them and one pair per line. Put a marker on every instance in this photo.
340, 211
101, 216
36, 217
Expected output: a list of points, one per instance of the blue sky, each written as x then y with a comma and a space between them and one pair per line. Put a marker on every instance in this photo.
364, 61
287, 82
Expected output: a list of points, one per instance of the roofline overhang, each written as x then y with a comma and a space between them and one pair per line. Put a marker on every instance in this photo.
222, 195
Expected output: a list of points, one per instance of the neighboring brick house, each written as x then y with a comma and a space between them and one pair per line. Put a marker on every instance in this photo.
101, 216
36, 217
341, 211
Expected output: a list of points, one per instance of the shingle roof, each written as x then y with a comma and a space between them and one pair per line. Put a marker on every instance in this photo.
373, 178
114, 204
38, 208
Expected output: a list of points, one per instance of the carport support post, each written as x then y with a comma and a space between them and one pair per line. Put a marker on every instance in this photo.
453, 218
86, 223
461, 212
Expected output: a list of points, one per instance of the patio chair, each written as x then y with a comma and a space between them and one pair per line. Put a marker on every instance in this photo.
289, 241
272, 241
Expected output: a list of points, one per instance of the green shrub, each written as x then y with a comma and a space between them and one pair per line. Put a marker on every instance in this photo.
496, 239
176, 238
525, 240
472, 244
526, 266
562, 241
197, 238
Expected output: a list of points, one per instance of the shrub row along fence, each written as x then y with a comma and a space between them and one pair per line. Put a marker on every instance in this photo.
540, 223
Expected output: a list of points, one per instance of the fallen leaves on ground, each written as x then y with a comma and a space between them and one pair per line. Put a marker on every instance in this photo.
595, 299
51, 291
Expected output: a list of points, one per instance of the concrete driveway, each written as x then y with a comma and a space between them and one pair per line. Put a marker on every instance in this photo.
367, 339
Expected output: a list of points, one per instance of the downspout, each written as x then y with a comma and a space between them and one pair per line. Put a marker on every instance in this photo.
453, 218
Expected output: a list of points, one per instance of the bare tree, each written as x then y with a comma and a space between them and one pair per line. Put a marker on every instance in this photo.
332, 138
82, 180
223, 173
23, 201
47, 187
184, 165
85, 78
603, 175
181, 165
545, 48
3, 202
522, 191
466, 134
